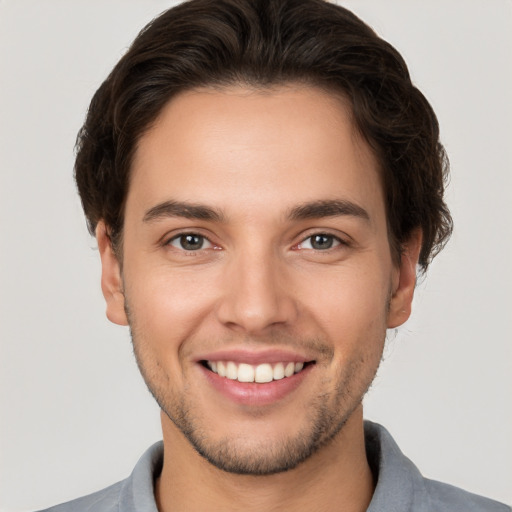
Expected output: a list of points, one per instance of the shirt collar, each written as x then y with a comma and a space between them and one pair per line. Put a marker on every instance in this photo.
397, 478
137, 493
395, 475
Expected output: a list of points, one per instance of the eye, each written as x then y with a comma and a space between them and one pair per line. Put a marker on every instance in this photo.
190, 242
320, 242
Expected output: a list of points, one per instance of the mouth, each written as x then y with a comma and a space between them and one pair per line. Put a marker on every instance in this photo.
256, 373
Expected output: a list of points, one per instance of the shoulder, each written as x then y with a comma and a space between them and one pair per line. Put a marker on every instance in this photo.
135, 493
401, 486
443, 497
106, 500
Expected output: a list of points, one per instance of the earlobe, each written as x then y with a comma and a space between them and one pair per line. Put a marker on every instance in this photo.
111, 280
403, 292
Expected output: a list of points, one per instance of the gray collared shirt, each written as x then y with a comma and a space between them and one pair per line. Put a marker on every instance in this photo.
400, 485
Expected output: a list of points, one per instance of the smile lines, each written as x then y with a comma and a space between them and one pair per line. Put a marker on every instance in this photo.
260, 373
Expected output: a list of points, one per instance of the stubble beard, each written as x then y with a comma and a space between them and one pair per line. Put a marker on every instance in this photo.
233, 455
326, 417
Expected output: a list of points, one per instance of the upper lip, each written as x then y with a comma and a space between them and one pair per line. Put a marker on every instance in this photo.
256, 357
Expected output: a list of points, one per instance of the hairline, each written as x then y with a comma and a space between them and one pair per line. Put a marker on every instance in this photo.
331, 90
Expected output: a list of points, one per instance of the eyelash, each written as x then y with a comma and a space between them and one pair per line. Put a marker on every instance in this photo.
182, 236
334, 241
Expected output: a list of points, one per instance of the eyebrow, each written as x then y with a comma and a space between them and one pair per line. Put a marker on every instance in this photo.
311, 210
328, 208
182, 209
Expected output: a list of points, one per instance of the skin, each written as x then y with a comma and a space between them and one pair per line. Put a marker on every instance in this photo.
258, 284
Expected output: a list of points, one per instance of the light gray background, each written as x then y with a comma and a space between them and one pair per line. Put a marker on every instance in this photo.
75, 415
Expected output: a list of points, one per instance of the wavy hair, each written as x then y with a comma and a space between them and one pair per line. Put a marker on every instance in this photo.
262, 44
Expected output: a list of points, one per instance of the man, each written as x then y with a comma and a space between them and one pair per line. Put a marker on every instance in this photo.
263, 181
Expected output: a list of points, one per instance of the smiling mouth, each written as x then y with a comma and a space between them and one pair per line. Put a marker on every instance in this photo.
261, 373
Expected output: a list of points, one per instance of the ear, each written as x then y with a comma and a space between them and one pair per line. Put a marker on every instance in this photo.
405, 282
111, 280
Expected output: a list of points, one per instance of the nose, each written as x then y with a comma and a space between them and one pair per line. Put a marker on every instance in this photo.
257, 293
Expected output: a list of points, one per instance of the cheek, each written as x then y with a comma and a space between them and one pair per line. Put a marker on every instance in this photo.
168, 306
350, 310
349, 296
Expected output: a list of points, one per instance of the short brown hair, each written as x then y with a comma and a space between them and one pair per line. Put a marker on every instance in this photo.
264, 43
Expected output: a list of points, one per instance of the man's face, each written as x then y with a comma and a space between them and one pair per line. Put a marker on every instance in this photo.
255, 248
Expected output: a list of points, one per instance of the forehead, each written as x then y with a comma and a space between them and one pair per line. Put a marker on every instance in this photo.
238, 147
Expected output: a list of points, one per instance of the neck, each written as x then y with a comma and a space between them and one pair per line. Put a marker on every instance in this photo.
336, 477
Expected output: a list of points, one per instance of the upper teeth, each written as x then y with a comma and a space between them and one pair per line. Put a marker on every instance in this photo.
261, 373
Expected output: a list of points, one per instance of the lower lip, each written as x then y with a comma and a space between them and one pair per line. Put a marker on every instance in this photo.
253, 393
